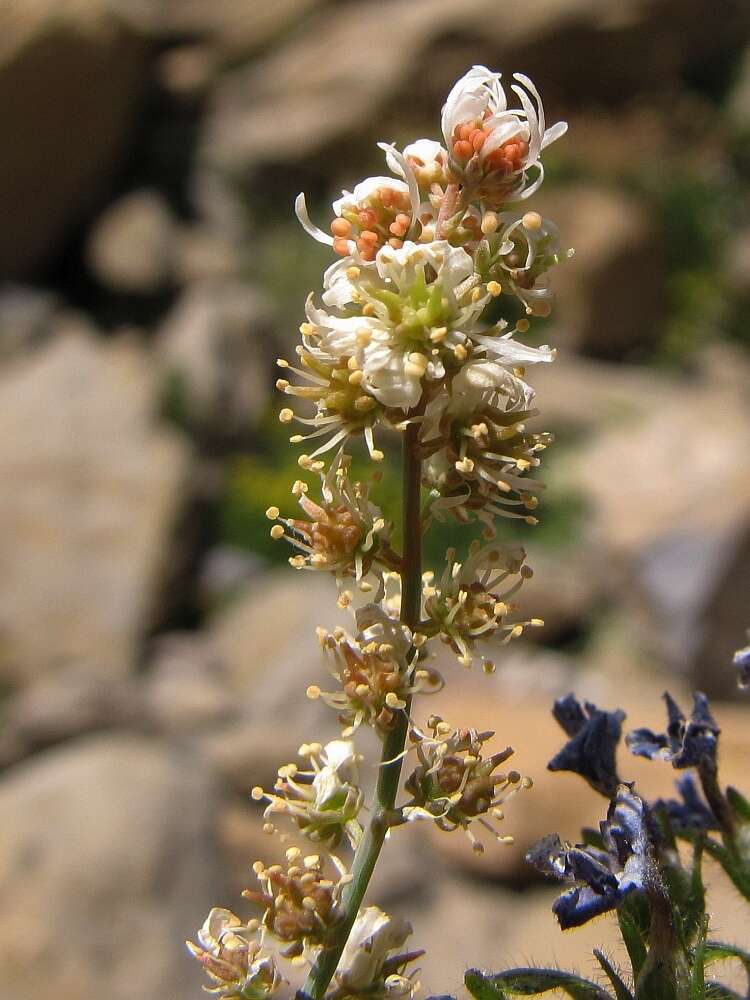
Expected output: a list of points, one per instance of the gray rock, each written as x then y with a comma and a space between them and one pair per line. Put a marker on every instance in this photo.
133, 244
97, 489
212, 355
108, 861
670, 505
25, 318
234, 27
320, 99
610, 297
70, 78
185, 689
63, 705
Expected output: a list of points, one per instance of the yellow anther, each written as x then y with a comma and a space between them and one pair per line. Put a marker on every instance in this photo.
490, 222
494, 288
532, 220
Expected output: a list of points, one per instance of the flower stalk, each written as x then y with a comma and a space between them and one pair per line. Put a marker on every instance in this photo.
368, 852
401, 339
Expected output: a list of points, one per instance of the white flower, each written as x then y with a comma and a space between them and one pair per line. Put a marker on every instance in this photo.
427, 158
489, 141
233, 963
415, 312
374, 935
529, 248
379, 211
488, 381
324, 800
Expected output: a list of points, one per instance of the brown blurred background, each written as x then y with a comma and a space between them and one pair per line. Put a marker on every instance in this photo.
154, 651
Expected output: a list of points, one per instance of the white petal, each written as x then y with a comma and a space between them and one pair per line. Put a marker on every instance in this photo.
300, 208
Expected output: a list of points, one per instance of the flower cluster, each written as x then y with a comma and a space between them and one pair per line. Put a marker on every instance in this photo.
453, 785
415, 334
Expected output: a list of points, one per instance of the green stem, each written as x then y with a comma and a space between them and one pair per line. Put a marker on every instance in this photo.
367, 853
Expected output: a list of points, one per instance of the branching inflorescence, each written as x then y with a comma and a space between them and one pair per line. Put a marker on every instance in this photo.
415, 334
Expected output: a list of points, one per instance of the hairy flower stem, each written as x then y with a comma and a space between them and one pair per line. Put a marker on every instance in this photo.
369, 849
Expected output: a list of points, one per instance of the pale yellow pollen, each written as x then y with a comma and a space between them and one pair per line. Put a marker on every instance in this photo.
309, 904
500, 609
282, 384
272, 513
460, 352
537, 622
286, 415
313, 692
476, 294
311, 861
357, 377
282, 363
257, 793
361, 690
277, 532
377, 455
297, 562
532, 220
293, 853
306, 329
416, 364
368, 309
393, 701
296, 439
353, 273
494, 288
523, 464
489, 223
363, 336
269, 828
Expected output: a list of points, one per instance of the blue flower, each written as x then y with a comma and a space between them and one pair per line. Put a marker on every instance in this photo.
690, 814
687, 742
741, 661
592, 748
603, 878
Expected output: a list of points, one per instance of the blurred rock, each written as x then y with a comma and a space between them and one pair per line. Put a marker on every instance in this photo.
97, 488
132, 247
226, 569
206, 252
63, 705
185, 690
563, 591
108, 851
266, 641
685, 562
234, 27
592, 396
25, 318
212, 351
70, 78
611, 295
321, 100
